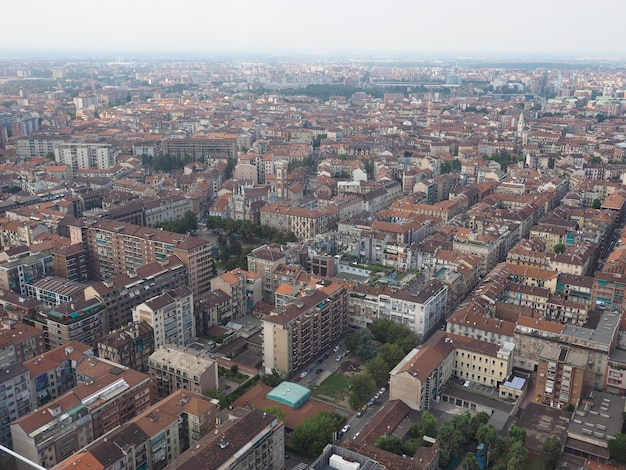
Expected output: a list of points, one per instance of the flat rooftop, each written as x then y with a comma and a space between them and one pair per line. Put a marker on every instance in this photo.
594, 420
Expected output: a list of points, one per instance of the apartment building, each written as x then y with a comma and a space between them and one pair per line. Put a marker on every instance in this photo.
251, 439
265, 259
71, 262
304, 223
171, 317
53, 432
19, 342
124, 291
37, 145
78, 320
201, 146
116, 248
17, 273
129, 345
174, 369
153, 438
14, 399
301, 330
53, 373
422, 311
419, 377
560, 376
52, 290
82, 155
243, 287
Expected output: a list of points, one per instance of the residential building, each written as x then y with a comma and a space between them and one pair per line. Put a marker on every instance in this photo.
117, 248
53, 373
560, 376
81, 155
212, 308
174, 369
202, 146
243, 287
17, 273
171, 317
304, 223
70, 262
19, 342
123, 292
301, 330
52, 433
52, 290
422, 311
129, 345
78, 320
419, 377
253, 440
153, 438
264, 260
14, 399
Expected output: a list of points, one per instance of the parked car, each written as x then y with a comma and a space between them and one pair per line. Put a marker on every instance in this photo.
359, 414
382, 390
320, 360
346, 428
319, 371
339, 358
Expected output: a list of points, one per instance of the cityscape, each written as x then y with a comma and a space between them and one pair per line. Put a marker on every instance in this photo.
313, 246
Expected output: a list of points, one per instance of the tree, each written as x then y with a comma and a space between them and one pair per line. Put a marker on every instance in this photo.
50, 155
274, 379
551, 452
516, 458
310, 437
517, 434
471, 462
551, 162
366, 349
450, 438
352, 340
391, 354
597, 203
390, 444
378, 369
276, 411
494, 442
559, 248
617, 448
361, 385
429, 424
476, 422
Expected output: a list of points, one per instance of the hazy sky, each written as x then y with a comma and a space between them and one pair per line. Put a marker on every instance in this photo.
566, 27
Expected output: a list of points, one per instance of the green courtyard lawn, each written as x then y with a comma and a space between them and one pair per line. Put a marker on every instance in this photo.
335, 386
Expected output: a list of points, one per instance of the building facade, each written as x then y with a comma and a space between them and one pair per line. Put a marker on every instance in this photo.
171, 317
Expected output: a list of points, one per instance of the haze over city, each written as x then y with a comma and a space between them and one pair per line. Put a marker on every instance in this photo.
324, 27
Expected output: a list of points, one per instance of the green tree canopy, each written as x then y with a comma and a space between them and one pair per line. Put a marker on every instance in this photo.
551, 452
391, 354
310, 437
596, 204
429, 424
390, 444
495, 445
471, 462
516, 458
559, 248
352, 340
617, 448
517, 434
378, 369
362, 386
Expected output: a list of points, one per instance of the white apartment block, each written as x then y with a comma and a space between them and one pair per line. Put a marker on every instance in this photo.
171, 316
80, 156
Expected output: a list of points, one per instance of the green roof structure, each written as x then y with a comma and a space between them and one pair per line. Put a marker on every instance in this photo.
290, 394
